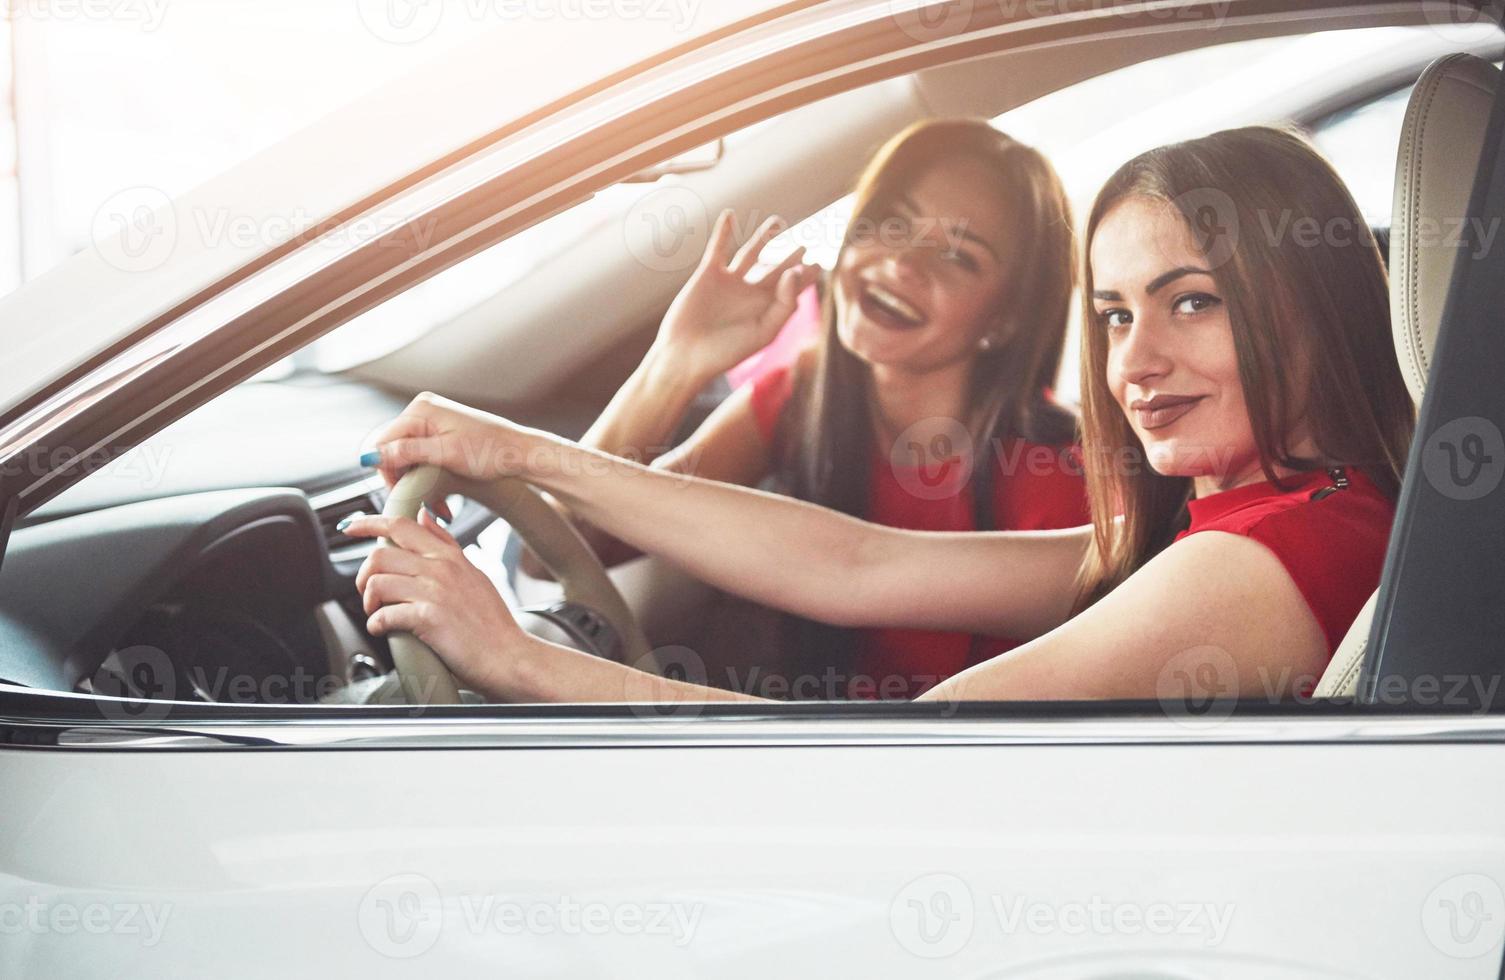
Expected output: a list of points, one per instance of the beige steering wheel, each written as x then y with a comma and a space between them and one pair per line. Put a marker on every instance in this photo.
591, 599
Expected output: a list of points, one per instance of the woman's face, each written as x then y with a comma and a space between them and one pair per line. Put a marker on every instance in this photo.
919, 285
1171, 362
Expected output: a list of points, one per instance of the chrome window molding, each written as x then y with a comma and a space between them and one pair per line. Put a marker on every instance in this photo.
640, 729
529, 175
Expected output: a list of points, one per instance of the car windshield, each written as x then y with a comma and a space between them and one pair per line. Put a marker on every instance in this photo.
110, 123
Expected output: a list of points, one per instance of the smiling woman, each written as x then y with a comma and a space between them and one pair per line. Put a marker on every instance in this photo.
1210, 344
923, 400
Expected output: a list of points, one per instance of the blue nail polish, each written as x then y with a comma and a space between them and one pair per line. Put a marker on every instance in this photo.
344, 523
371, 458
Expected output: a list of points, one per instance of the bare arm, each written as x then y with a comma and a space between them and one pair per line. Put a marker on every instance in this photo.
722, 316
819, 563
1214, 611
1213, 615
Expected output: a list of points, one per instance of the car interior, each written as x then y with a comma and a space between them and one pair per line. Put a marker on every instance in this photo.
213, 548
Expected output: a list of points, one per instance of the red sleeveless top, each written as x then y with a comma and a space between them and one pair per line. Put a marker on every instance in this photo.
1035, 487
1332, 543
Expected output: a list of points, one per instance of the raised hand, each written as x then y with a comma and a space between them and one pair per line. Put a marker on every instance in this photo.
724, 314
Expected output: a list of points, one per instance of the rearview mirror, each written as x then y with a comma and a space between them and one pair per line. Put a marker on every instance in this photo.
701, 158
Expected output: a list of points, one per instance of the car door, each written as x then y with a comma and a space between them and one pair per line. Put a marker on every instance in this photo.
1208, 833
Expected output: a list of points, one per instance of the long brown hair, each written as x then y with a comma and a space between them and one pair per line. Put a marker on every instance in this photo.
827, 438
1311, 328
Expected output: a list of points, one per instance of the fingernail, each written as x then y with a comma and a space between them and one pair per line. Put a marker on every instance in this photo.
437, 519
344, 523
371, 458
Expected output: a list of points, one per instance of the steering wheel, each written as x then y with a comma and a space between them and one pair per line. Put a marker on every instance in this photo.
592, 610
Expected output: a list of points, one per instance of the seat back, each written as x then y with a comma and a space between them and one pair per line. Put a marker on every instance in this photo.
1441, 139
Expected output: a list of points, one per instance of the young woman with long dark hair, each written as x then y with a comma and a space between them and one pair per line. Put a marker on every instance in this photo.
923, 401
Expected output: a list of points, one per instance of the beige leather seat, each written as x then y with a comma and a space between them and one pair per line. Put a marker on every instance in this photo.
1441, 139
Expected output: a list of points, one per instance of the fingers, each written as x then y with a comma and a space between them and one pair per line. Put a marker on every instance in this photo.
401, 617
384, 590
389, 561
794, 259
398, 454
430, 521
718, 251
403, 532
747, 256
785, 298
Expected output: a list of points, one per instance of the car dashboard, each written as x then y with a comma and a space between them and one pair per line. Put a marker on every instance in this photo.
205, 564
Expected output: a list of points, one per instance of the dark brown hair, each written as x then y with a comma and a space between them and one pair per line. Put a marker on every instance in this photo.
1310, 321
826, 445
826, 438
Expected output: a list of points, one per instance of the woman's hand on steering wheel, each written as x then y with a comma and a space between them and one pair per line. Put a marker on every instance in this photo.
426, 586
455, 437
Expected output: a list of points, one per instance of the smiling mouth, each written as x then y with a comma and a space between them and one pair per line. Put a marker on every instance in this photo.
888, 310
1159, 414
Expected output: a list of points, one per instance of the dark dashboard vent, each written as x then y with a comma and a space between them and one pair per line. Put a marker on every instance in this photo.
332, 513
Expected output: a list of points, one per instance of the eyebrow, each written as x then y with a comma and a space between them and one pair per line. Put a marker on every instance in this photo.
1156, 284
961, 230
